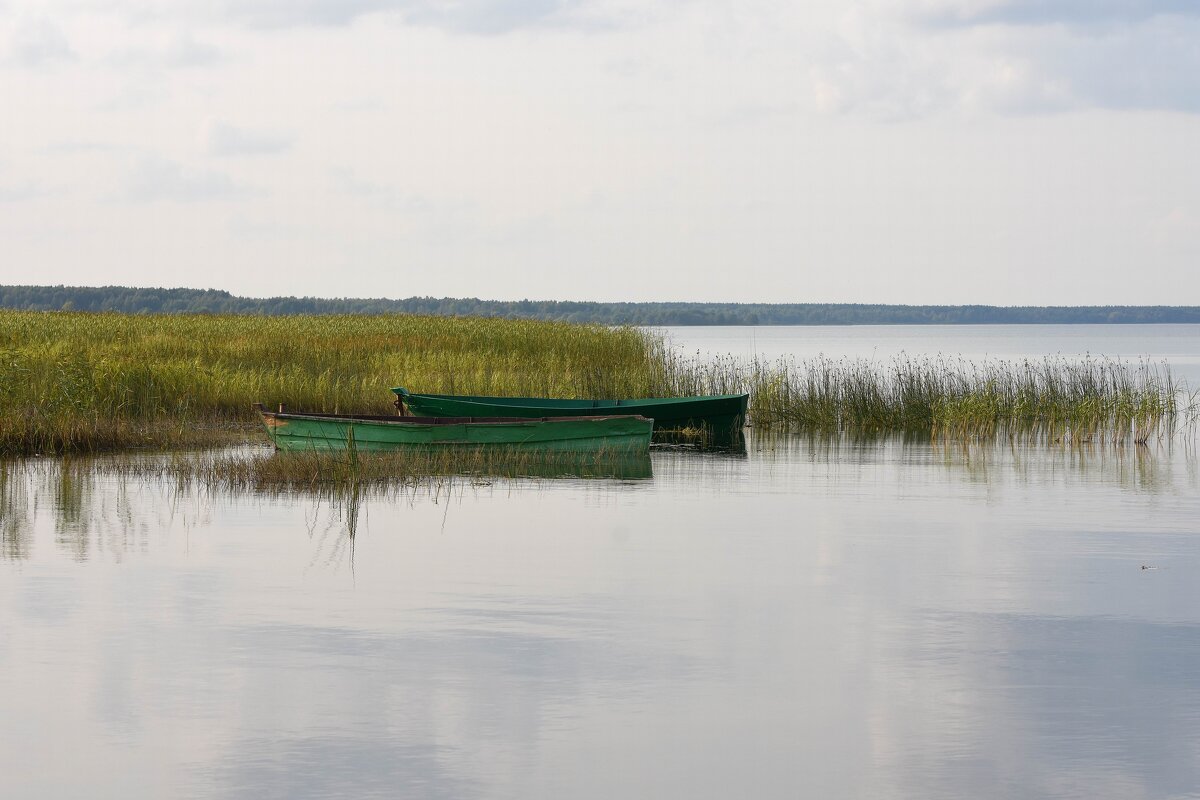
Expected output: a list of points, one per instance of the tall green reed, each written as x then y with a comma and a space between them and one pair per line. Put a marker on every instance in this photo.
1054, 397
75, 381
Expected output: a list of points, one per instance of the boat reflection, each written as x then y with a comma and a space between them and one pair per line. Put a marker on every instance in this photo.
284, 470
617, 466
722, 440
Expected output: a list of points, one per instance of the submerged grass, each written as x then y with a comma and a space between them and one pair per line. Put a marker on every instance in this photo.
78, 382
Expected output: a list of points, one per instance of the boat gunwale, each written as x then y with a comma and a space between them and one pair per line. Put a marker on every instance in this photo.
391, 419
536, 402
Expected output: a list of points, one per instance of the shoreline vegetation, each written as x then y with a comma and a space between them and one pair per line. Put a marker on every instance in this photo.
133, 300
73, 382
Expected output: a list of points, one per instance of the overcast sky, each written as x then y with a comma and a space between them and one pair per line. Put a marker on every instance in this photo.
909, 151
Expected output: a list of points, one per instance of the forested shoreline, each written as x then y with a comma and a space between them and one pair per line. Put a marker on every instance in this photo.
132, 300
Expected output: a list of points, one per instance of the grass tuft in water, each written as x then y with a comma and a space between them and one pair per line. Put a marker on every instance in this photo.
1054, 398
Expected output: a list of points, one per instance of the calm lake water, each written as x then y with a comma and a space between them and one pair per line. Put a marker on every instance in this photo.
1178, 345
869, 619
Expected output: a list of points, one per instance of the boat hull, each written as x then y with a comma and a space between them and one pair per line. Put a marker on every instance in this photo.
332, 432
723, 415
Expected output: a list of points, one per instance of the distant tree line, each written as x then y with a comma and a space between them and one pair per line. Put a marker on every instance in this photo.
131, 300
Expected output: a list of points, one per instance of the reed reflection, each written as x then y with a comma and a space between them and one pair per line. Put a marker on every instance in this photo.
16, 537
92, 504
1166, 466
72, 491
849, 616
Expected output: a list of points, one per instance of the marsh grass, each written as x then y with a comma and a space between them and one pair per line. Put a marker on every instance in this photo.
77, 382
1055, 399
73, 382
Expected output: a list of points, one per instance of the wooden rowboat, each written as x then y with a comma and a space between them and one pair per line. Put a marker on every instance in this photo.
593, 434
722, 414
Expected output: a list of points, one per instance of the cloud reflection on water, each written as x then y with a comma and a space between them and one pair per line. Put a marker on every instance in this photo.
830, 617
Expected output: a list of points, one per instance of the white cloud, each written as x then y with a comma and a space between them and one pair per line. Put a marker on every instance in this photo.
503, 16
178, 50
904, 60
372, 139
37, 42
289, 13
153, 179
17, 193
1085, 13
221, 139
484, 17
377, 193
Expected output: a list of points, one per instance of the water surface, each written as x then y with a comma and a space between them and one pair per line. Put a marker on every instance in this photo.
1178, 345
814, 617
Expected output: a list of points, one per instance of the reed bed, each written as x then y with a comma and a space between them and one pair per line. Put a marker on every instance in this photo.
73, 382
78, 382
1053, 398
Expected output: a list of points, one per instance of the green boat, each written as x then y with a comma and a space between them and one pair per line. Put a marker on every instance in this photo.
291, 430
722, 414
